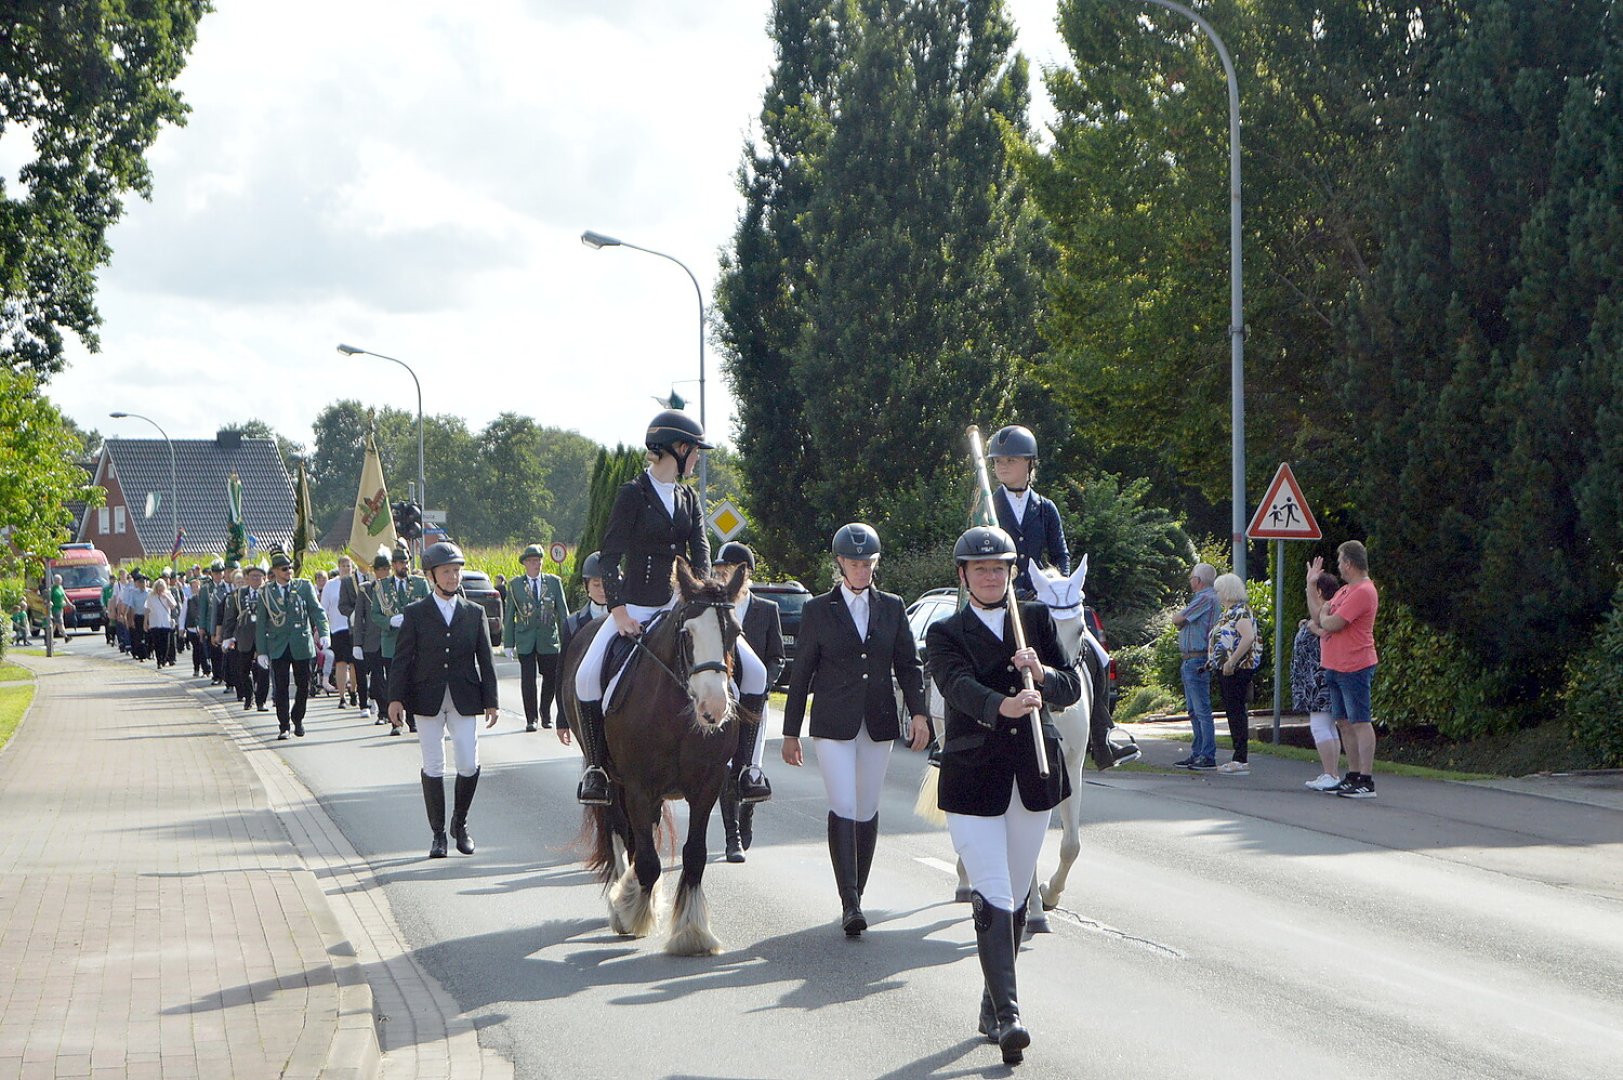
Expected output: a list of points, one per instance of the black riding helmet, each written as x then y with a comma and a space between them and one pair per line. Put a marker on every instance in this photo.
442, 554
671, 427
589, 566
1013, 441
984, 542
856, 541
733, 553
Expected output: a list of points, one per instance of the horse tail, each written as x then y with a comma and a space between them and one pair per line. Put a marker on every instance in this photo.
665, 837
925, 806
597, 837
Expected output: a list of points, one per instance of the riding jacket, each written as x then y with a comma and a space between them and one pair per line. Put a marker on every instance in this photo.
985, 754
1037, 535
642, 541
849, 678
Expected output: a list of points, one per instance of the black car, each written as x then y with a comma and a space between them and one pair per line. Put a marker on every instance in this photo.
476, 586
791, 597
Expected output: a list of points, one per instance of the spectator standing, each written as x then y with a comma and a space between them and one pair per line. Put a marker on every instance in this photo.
1236, 650
1308, 692
1194, 625
1349, 659
59, 605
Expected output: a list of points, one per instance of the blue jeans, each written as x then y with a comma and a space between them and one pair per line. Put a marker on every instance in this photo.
1197, 692
1350, 694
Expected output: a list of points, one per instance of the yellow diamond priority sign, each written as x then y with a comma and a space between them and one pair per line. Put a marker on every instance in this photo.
725, 519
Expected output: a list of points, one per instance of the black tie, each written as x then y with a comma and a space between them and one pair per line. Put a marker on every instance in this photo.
535, 587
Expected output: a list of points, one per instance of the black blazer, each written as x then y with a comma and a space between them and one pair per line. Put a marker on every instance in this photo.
851, 677
763, 629
571, 626
986, 753
641, 543
430, 656
1037, 535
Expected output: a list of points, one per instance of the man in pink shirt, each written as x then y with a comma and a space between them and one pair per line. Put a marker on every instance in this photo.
1348, 657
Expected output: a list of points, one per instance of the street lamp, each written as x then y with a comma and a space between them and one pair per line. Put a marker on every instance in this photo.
1236, 288
174, 518
597, 241
422, 486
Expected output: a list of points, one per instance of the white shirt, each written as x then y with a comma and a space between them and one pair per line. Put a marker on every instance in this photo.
993, 618
1017, 502
158, 612
666, 492
336, 620
447, 607
533, 586
858, 605
741, 608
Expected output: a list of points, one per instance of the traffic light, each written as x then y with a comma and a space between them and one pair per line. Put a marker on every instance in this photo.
397, 510
411, 521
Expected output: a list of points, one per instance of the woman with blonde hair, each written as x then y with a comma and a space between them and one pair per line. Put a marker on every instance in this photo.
1236, 651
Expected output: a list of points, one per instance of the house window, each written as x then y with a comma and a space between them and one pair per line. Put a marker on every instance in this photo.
118, 519
103, 518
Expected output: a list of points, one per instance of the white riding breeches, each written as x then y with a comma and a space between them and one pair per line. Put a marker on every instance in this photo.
853, 773
1000, 853
464, 732
751, 675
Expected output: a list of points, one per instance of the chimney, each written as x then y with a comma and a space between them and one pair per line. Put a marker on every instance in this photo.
228, 439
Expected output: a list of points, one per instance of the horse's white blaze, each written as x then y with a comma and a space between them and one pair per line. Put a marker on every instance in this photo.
708, 688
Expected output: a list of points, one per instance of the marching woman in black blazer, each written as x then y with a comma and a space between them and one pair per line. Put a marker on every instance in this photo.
996, 800
763, 631
852, 639
444, 673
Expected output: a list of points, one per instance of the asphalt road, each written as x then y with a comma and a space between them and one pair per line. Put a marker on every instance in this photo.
1213, 927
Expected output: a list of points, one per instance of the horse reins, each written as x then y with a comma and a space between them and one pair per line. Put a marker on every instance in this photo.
721, 607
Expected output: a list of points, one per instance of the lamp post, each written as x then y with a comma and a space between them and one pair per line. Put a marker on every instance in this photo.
174, 516
1236, 287
352, 350
597, 241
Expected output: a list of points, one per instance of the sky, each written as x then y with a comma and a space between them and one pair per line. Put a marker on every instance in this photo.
412, 178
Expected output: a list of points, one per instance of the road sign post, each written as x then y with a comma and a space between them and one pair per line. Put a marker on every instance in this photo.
1282, 515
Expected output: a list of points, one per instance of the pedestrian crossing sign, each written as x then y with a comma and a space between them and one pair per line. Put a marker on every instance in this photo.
1283, 513
725, 519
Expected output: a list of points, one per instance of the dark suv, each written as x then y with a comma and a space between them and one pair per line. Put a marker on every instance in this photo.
476, 586
791, 597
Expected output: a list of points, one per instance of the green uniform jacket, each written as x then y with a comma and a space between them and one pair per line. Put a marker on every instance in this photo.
362, 630
529, 626
387, 603
290, 626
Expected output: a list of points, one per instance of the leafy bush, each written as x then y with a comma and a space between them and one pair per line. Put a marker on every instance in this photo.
1147, 700
1427, 677
1135, 666
1594, 686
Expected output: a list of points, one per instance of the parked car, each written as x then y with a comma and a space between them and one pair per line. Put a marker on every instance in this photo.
84, 571
791, 597
476, 586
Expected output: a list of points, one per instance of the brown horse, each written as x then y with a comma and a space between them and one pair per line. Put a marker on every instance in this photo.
671, 731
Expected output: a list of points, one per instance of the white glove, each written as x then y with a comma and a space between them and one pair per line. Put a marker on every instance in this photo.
326, 643
360, 654
509, 653
263, 661
396, 620
230, 643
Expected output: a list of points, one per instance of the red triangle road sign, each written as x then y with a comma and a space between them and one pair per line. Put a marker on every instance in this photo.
1283, 513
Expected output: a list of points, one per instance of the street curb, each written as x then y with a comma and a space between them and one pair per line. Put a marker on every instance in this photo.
23, 719
353, 1052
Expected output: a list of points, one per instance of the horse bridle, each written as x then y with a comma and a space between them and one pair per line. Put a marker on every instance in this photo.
684, 646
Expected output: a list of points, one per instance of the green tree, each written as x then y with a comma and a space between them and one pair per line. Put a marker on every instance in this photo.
39, 472
512, 479
89, 82
339, 448
612, 470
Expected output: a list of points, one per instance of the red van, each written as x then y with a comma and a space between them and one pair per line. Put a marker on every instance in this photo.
84, 571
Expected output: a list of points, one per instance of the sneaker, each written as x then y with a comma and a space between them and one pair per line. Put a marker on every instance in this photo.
1204, 763
1324, 783
1234, 768
1344, 784
1361, 788
1186, 763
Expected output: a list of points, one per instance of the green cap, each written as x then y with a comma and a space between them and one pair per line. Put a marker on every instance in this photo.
280, 560
532, 552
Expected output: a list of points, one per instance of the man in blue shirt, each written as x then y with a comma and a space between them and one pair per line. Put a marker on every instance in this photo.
1194, 625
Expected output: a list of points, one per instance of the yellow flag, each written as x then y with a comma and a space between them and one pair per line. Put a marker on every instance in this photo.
374, 522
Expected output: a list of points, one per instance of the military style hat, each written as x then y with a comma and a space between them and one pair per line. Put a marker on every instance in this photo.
733, 553
589, 567
138, 575
280, 560
984, 542
217, 564
400, 554
856, 541
442, 554
1012, 441
232, 564
380, 561
532, 552
257, 568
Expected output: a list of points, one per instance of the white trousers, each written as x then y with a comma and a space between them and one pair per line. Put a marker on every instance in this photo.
853, 773
464, 732
589, 676
1000, 853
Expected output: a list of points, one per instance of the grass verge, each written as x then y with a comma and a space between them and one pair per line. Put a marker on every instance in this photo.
14, 701
14, 673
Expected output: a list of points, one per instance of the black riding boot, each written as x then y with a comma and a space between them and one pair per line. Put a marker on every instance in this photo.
746, 825
1105, 754
867, 837
434, 800
465, 786
996, 944
842, 851
594, 782
729, 821
752, 784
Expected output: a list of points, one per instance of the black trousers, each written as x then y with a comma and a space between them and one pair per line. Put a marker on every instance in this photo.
282, 668
1236, 691
139, 646
377, 674
252, 682
200, 653
360, 670
546, 666
217, 658
161, 644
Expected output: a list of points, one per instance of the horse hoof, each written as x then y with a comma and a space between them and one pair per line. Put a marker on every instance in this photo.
961, 896
1049, 903
1038, 926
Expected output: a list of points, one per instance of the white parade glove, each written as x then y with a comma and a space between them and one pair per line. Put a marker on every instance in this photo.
230, 643
508, 652
396, 620
360, 654
263, 661
326, 644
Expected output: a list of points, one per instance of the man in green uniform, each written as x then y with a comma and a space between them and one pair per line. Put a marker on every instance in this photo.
290, 623
239, 627
390, 598
535, 607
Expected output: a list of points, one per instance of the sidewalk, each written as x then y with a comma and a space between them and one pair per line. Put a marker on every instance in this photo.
155, 920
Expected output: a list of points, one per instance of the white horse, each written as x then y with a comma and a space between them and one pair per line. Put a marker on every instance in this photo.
1063, 596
